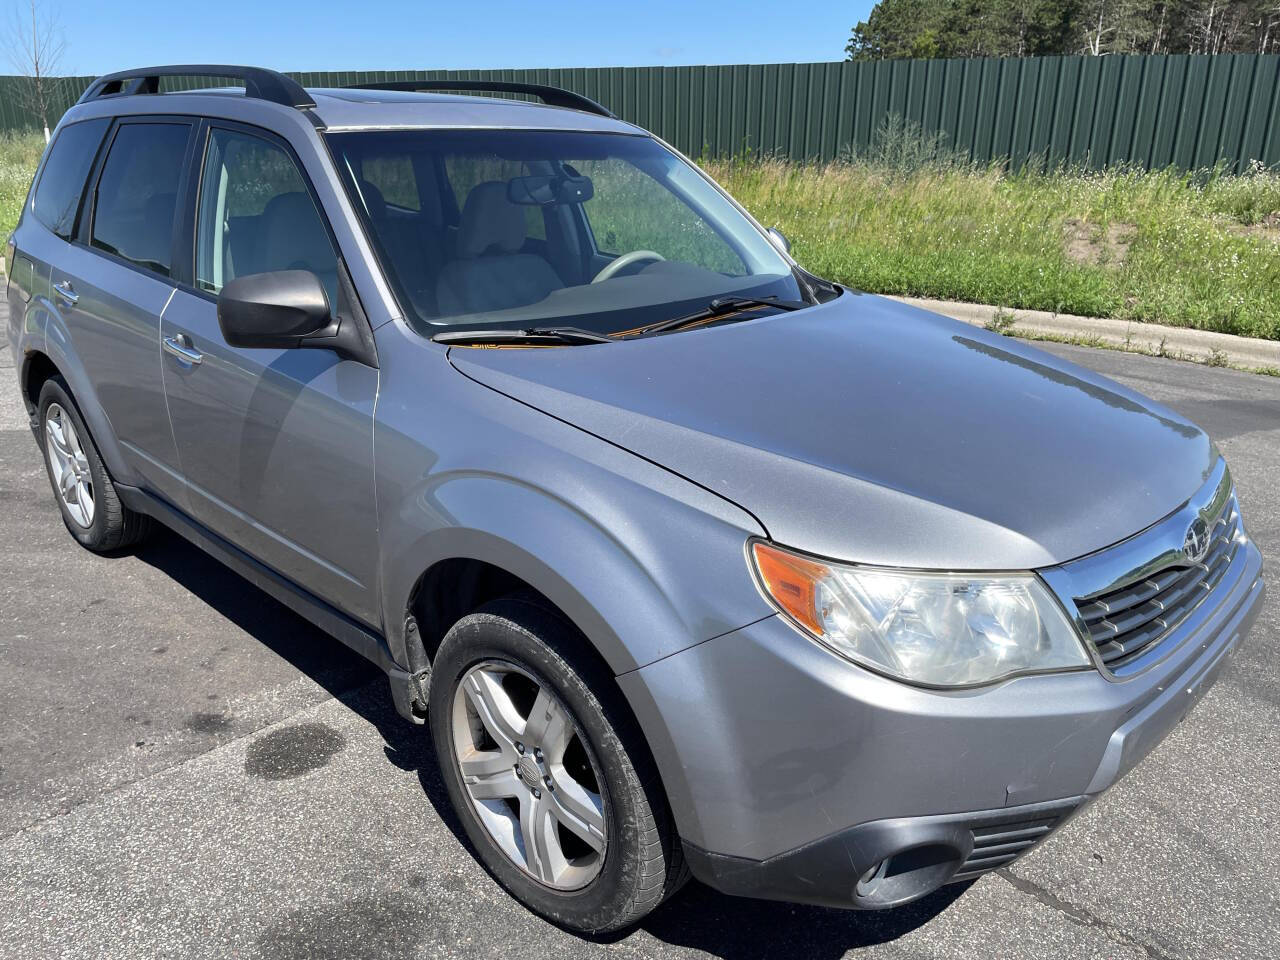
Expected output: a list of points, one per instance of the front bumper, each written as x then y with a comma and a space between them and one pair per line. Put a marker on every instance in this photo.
792, 773
887, 863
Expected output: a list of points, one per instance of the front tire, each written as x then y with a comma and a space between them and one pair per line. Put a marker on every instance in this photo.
547, 773
86, 497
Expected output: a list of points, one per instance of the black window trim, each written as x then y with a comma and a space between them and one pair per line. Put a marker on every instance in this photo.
89, 202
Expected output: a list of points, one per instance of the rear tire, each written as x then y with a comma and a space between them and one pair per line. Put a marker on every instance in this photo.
519, 646
86, 497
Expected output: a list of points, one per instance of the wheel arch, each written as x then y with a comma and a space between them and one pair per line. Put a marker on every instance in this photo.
37, 368
463, 568
467, 584
639, 573
641, 570
62, 358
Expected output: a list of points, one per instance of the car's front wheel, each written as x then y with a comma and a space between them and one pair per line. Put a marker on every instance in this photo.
546, 772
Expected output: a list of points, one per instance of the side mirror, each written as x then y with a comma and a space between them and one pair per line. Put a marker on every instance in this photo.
279, 309
780, 240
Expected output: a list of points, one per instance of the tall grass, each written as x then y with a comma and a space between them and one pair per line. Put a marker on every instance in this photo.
911, 217
19, 154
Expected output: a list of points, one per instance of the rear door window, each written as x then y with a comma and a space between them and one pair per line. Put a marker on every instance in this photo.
58, 194
137, 194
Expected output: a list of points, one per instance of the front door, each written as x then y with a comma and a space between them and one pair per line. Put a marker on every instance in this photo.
276, 445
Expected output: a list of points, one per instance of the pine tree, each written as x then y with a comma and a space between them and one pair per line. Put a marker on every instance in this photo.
1018, 28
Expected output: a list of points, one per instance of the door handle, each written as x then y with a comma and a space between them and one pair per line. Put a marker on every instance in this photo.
180, 347
64, 291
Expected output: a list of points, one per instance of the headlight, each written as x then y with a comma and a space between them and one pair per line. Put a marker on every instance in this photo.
940, 629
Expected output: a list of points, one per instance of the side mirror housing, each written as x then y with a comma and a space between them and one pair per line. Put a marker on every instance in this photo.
780, 240
279, 309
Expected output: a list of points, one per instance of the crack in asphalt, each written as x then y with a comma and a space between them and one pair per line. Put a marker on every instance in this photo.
1079, 915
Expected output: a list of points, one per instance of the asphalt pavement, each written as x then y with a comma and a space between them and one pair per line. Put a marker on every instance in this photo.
187, 769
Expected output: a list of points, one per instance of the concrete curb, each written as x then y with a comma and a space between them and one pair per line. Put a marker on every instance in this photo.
1180, 343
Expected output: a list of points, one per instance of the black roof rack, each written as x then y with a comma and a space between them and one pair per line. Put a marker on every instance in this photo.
551, 96
259, 83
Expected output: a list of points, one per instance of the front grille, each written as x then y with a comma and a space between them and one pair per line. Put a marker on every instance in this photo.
998, 844
1124, 622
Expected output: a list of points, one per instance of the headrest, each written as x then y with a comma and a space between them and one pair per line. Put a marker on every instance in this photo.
490, 220
294, 238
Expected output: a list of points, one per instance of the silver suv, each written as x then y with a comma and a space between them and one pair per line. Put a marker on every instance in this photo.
692, 562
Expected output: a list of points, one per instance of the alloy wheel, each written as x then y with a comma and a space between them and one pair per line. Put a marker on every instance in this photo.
69, 465
529, 775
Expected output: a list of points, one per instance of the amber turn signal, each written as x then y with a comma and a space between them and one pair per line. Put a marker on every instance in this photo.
791, 581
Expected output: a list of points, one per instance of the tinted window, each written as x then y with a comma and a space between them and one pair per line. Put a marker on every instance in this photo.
394, 178
62, 182
138, 193
628, 213
467, 171
537, 226
256, 215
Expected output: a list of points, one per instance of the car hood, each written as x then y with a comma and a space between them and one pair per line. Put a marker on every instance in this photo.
867, 430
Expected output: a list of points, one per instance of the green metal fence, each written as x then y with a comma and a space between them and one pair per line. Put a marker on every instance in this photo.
1152, 111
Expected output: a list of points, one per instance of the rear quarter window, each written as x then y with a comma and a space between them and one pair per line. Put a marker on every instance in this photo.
57, 196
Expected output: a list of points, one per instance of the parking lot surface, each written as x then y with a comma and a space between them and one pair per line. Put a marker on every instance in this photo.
187, 769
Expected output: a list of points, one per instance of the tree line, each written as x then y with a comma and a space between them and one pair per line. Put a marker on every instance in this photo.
1024, 28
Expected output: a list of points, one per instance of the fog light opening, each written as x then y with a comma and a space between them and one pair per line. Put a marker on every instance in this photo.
906, 876
871, 879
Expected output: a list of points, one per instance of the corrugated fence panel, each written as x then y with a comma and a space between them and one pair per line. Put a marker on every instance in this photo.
1149, 111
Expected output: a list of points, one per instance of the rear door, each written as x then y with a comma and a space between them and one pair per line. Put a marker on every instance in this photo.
111, 286
276, 445
48, 222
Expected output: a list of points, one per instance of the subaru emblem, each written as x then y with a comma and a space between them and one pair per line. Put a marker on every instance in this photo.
1196, 543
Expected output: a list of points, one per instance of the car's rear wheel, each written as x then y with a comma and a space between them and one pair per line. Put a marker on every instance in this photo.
545, 771
87, 499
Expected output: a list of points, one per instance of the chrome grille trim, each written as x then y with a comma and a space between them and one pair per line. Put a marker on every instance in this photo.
1122, 624
1130, 601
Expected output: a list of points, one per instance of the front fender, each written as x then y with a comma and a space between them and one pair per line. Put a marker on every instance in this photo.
634, 600
642, 561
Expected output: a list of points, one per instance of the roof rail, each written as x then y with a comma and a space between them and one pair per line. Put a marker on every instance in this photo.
551, 96
259, 83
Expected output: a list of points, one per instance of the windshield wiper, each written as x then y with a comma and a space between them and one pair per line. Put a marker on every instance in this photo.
531, 335
721, 306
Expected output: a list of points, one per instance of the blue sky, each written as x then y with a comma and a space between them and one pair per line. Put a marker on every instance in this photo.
315, 35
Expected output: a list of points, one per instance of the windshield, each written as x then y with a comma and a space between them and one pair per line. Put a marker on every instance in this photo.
522, 228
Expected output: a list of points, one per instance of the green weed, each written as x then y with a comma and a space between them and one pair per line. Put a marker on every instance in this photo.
19, 154
1194, 250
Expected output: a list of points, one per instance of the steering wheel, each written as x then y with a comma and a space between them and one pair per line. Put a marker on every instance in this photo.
624, 261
